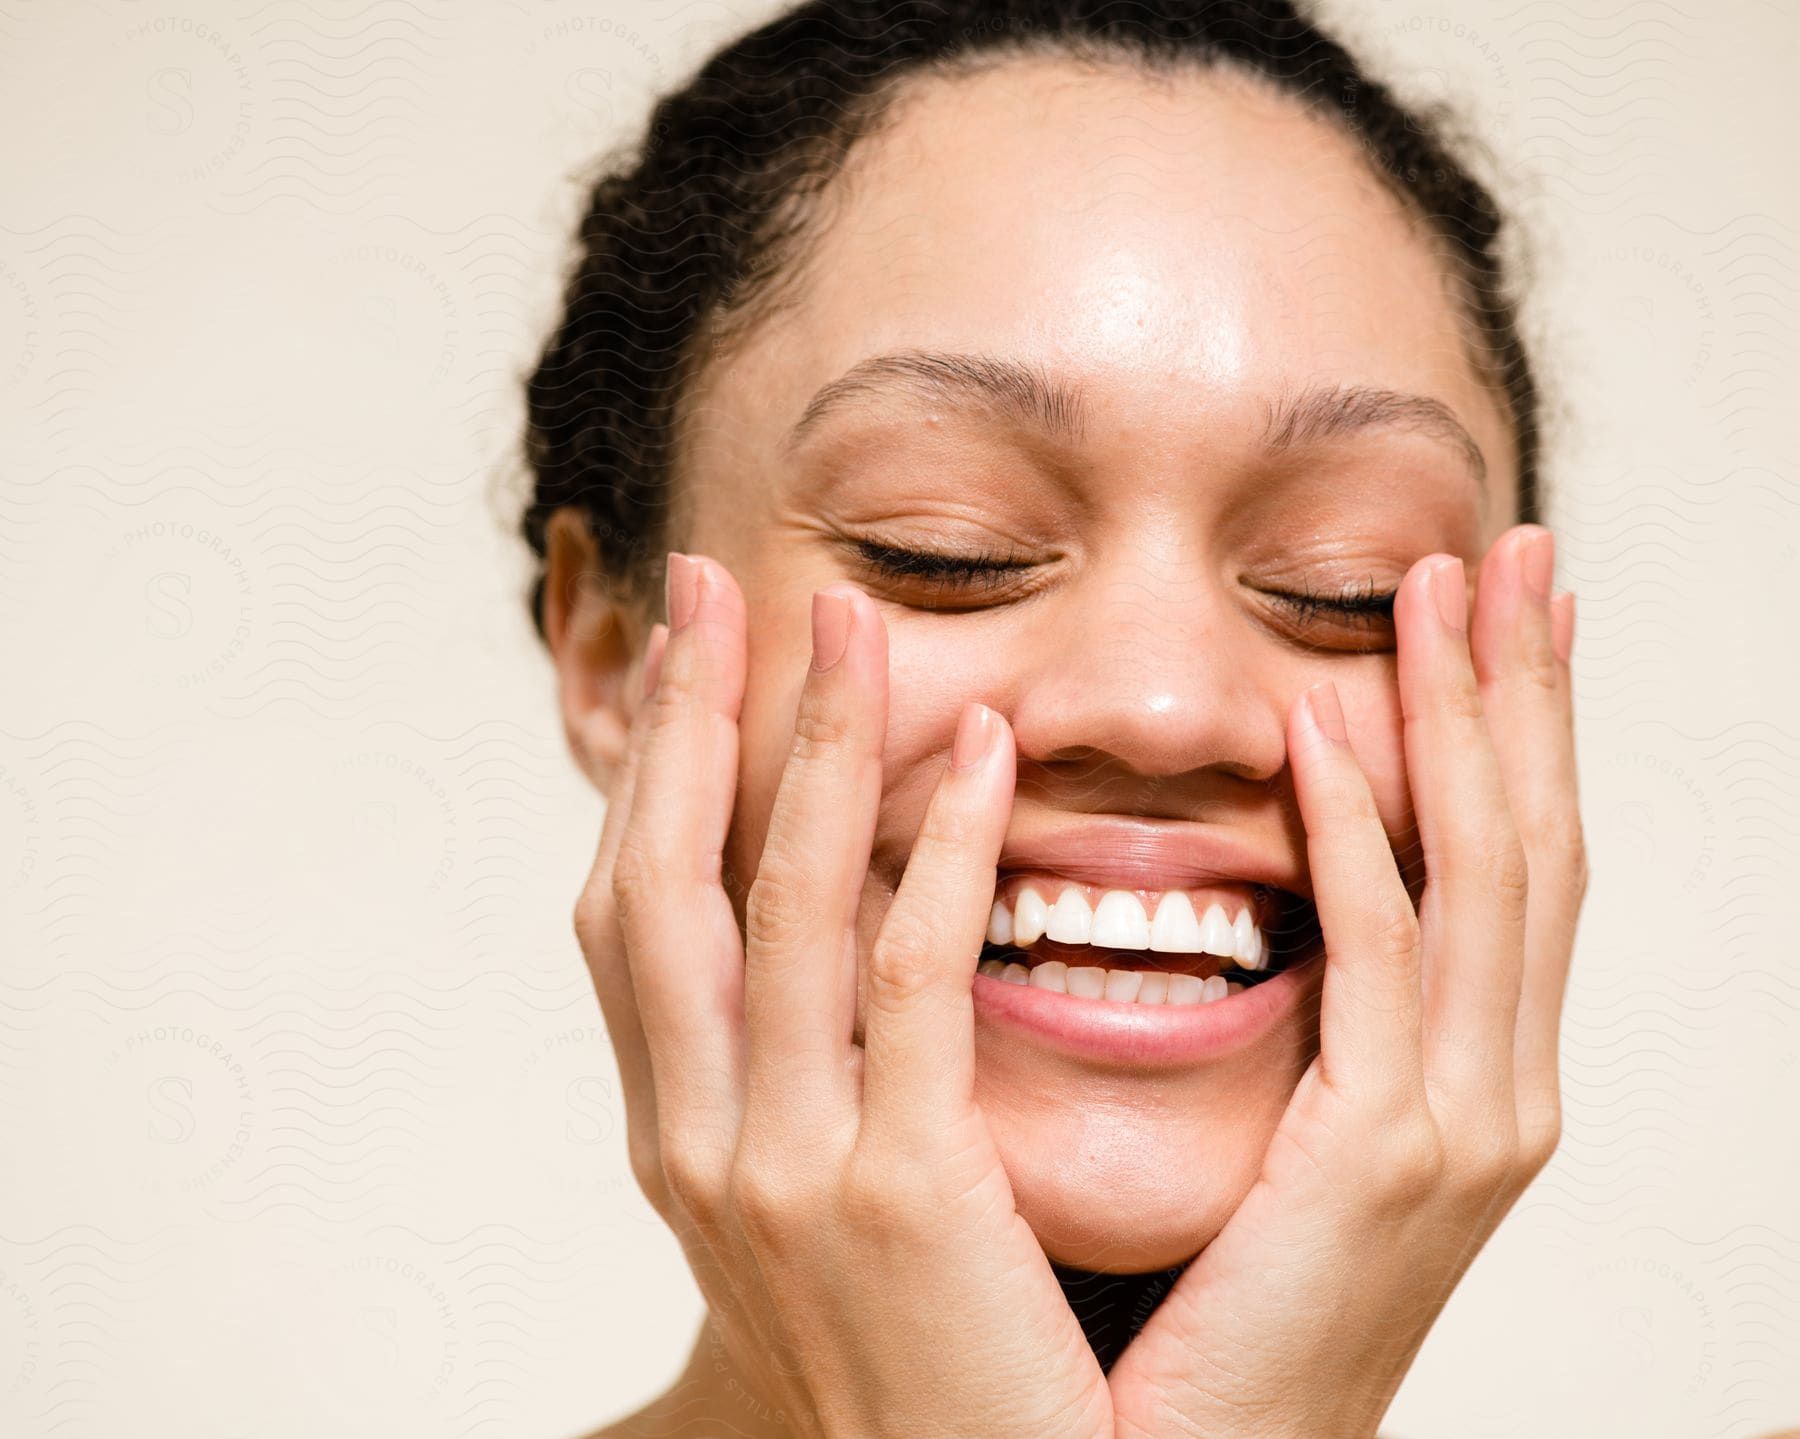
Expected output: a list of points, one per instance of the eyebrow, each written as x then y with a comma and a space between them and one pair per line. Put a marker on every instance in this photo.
1027, 395
1006, 388
1331, 411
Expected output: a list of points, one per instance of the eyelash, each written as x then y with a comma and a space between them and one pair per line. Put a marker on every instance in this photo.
939, 571
1355, 604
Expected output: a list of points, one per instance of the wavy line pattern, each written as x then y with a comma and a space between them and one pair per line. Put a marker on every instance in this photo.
311, 1124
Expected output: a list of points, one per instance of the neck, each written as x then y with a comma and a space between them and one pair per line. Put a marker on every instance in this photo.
1112, 1308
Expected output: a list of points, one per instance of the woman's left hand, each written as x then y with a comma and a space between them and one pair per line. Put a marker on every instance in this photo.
1434, 1098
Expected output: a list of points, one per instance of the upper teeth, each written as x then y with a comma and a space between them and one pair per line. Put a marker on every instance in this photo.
1118, 921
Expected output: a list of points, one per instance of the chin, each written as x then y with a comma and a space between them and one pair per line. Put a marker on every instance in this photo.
1125, 1174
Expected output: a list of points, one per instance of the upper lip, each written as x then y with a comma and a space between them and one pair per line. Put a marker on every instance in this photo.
1145, 854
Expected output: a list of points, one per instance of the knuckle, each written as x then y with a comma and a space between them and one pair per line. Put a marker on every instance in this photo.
1568, 845
638, 871
593, 914
900, 969
818, 731
1393, 925
1540, 1133
767, 1202
777, 910
1462, 699
1414, 1160
871, 1195
1503, 860
647, 1168
1538, 668
689, 1178
1538, 1144
1488, 1159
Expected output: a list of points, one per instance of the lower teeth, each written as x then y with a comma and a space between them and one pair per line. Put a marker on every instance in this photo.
1128, 986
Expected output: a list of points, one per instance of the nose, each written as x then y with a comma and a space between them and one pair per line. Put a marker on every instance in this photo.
1150, 665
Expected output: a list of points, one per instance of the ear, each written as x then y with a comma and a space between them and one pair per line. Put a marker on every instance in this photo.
596, 639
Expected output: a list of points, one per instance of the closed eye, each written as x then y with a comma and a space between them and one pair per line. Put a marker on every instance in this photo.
1360, 606
934, 570
1356, 604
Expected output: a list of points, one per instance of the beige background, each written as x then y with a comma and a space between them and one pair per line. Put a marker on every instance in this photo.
309, 1124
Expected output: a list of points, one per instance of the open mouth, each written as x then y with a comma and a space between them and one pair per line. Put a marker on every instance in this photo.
1169, 947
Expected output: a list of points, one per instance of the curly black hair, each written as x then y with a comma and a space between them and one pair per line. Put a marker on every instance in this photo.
688, 240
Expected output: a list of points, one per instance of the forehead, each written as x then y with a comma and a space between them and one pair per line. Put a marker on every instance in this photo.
1187, 247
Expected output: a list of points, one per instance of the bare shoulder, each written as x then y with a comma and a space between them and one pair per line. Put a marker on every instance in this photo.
682, 1412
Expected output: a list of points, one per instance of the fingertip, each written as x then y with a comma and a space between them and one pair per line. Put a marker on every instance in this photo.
977, 732
708, 651
1322, 713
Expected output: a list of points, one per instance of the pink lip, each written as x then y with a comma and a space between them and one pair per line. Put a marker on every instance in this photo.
1144, 854
1135, 1035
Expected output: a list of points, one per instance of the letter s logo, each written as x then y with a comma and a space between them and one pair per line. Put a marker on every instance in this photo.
170, 615
171, 97
171, 1115
590, 1110
589, 91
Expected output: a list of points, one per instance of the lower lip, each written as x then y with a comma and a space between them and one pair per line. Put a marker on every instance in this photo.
1131, 1034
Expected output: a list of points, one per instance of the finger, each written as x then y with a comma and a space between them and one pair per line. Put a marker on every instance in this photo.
801, 949
1472, 914
681, 937
1522, 637
1369, 1015
919, 1019
597, 926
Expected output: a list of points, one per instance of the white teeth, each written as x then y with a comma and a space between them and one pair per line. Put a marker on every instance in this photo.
1247, 941
1123, 984
1030, 915
1215, 933
1071, 921
1175, 930
1184, 989
1088, 981
1119, 922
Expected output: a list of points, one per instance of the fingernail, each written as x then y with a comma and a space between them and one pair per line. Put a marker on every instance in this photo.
830, 628
1327, 713
682, 590
1539, 562
1450, 591
653, 655
974, 735
1562, 624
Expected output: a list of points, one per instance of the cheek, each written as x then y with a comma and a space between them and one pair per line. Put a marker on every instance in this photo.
1372, 717
927, 683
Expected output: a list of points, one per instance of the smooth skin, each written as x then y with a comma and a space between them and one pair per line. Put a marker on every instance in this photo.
844, 1207
788, 902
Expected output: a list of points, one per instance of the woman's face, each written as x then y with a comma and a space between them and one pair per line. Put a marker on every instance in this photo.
1217, 288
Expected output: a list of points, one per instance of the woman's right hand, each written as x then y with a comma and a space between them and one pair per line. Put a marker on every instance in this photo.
843, 1207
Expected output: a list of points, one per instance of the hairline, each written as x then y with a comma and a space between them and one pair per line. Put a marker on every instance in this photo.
788, 263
